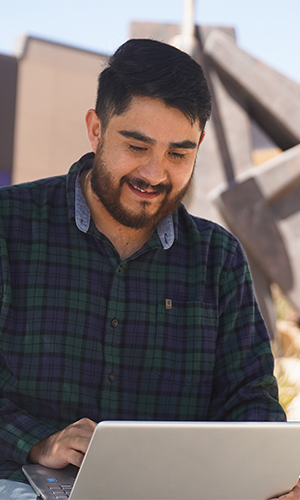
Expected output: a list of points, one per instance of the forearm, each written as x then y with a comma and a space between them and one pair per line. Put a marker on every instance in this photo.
19, 432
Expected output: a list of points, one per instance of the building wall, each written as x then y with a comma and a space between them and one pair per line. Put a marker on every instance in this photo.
8, 82
56, 86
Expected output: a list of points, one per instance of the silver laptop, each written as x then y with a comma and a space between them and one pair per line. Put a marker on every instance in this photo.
178, 461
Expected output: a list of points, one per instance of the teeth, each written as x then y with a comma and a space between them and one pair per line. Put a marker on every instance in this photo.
139, 189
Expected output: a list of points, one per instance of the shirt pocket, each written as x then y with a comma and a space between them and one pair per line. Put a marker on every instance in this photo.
185, 342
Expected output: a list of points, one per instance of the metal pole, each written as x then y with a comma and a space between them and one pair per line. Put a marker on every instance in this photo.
188, 25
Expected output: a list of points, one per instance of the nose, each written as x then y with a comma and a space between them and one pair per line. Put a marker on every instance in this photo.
153, 171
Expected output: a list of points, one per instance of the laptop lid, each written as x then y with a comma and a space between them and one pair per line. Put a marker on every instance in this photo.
188, 461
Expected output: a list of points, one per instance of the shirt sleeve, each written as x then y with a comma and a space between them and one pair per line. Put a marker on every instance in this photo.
244, 388
19, 431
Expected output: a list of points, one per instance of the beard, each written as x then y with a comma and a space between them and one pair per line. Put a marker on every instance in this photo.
108, 192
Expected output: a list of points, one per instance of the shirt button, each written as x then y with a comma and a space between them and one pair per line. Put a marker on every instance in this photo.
120, 269
112, 377
114, 322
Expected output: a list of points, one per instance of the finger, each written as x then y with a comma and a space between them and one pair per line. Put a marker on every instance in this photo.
85, 423
73, 457
77, 436
83, 427
76, 443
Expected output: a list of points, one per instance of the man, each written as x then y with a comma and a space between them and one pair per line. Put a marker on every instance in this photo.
115, 302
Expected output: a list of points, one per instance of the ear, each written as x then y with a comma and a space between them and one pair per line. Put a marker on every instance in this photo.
93, 126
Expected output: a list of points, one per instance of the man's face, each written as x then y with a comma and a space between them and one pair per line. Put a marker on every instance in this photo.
144, 162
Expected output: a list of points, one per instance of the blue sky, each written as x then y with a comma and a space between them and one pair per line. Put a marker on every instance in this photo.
268, 29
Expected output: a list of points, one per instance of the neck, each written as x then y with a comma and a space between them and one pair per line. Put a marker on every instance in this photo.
126, 240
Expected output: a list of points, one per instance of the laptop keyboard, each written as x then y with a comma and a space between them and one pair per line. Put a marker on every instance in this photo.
60, 491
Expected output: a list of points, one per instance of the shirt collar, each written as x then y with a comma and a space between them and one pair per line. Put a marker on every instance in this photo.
82, 211
165, 228
165, 231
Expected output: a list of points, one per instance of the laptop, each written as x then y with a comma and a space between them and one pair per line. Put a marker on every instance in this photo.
178, 461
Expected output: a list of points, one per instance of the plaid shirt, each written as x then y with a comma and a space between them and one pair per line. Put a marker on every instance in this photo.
171, 333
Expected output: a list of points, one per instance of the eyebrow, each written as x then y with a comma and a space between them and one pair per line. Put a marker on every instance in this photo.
132, 134
183, 145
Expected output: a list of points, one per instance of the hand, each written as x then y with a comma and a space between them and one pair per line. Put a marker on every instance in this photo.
294, 494
64, 447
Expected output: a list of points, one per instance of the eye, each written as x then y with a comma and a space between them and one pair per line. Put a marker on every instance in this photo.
176, 156
137, 149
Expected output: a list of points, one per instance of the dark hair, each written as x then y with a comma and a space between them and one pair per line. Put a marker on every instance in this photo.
149, 68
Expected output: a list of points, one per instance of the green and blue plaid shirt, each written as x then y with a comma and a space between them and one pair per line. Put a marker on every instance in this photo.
171, 333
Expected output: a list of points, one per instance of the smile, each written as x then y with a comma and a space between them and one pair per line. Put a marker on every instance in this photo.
143, 192
140, 189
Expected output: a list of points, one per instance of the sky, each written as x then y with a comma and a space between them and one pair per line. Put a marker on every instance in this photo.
267, 29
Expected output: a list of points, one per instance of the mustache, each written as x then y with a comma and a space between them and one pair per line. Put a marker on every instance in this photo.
142, 184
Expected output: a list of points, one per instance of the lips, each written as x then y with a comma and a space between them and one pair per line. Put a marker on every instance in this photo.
142, 190
145, 193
